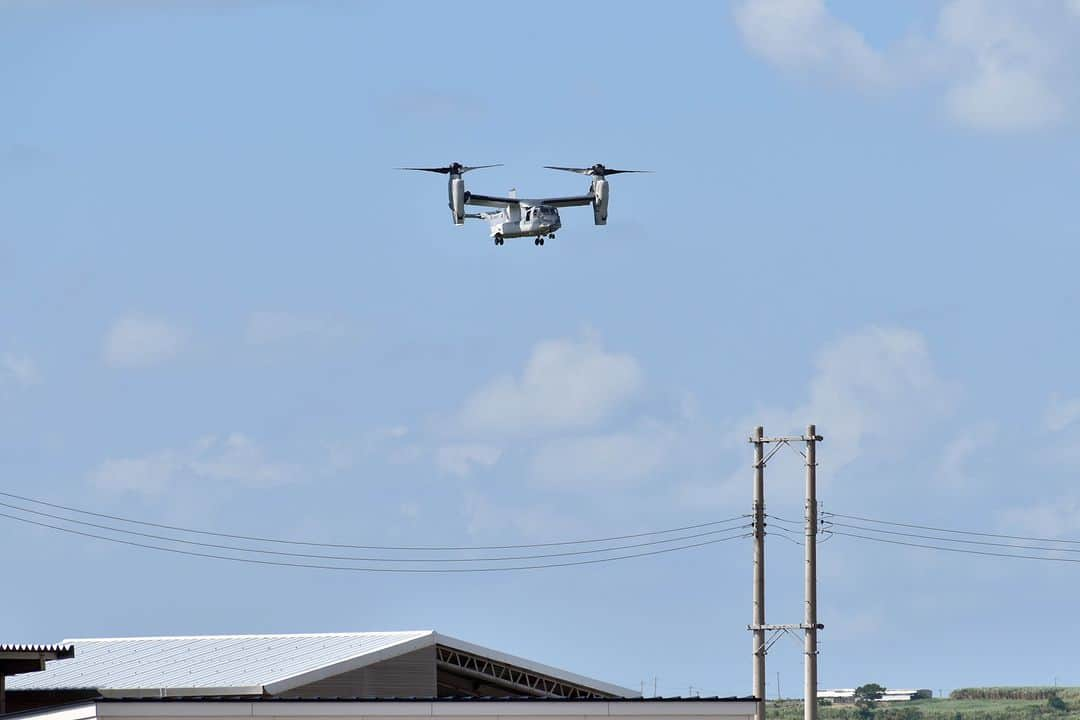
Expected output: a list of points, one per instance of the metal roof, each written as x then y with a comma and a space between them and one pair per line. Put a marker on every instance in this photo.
245, 664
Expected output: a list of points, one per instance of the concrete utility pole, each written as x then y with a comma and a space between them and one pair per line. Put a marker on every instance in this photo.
810, 623
759, 571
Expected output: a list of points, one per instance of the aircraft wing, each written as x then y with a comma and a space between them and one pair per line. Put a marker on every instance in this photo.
490, 200
559, 202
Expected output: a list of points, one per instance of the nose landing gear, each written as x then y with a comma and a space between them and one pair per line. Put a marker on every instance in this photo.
538, 241
498, 239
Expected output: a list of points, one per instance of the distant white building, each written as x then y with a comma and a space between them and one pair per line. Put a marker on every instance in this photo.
847, 695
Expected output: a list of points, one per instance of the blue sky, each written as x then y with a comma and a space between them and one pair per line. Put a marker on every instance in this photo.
224, 309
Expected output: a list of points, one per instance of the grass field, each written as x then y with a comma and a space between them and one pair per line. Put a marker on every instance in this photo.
996, 703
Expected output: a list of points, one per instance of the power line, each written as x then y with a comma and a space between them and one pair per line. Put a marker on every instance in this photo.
987, 543
433, 548
281, 553
783, 520
351, 568
949, 530
956, 550
791, 540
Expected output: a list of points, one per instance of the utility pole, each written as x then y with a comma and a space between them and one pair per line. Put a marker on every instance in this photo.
810, 621
758, 440
810, 624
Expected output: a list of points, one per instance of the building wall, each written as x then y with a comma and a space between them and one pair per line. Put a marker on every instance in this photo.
406, 676
437, 710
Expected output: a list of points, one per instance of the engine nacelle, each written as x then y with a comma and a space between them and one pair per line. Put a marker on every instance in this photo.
457, 200
600, 201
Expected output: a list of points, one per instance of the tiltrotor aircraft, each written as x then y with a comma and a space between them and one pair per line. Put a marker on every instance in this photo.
519, 217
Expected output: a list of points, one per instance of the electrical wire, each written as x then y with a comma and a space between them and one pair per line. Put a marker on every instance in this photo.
432, 548
987, 543
957, 550
797, 523
282, 553
352, 568
800, 543
949, 530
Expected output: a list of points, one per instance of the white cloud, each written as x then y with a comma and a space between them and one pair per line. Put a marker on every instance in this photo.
1059, 518
150, 475
869, 386
140, 341
394, 443
953, 466
1004, 66
486, 517
1009, 82
233, 459
566, 385
1062, 417
605, 461
801, 35
264, 328
460, 460
237, 459
19, 368
1060, 413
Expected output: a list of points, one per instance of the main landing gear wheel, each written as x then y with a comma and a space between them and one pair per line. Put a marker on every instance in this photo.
538, 241
498, 239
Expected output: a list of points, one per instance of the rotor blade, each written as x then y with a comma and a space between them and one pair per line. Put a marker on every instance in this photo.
581, 171
443, 170
616, 172
467, 168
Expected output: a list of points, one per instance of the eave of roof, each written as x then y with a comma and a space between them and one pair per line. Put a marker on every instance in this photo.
61, 651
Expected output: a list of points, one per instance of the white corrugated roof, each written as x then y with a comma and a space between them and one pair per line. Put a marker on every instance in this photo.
222, 664
243, 664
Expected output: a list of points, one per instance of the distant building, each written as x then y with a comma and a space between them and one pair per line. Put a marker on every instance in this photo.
344, 676
847, 695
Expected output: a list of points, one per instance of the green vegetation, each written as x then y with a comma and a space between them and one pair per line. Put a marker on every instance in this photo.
866, 697
1014, 693
991, 703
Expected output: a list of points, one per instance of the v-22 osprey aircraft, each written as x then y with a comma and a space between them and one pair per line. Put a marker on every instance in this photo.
519, 217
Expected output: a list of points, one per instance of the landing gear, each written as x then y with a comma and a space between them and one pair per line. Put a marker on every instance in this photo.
538, 241
498, 239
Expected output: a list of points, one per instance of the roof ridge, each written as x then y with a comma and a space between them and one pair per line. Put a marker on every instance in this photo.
357, 633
